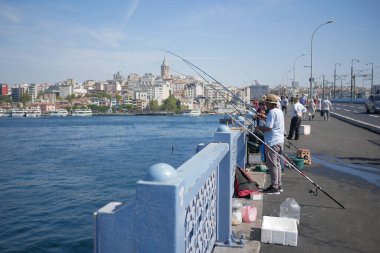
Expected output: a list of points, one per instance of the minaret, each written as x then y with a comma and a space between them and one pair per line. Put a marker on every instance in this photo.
165, 69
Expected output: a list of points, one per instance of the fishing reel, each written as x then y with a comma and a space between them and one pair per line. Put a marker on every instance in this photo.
314, 191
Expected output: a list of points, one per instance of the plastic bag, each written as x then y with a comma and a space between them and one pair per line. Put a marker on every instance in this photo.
249, 213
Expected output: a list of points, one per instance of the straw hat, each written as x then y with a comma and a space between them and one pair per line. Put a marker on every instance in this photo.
272, 99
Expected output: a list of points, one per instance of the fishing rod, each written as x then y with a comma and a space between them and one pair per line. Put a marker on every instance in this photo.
193, 66
282, 155
197, 69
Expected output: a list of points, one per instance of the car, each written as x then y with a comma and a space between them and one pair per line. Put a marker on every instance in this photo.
373, 103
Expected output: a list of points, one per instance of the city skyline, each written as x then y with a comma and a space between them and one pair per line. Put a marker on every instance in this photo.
237, 42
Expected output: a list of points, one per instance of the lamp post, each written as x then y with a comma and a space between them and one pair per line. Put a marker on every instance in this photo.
311, 79
371, 77
352, 78
294, 67
335, 78
287, 77
323, 87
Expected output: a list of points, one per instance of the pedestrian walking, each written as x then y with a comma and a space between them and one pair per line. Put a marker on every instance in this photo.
326, 107
284, 104
274, 138
303, 100
312, 107
298, 110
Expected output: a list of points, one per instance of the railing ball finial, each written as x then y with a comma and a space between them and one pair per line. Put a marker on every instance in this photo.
223, 129
161, 172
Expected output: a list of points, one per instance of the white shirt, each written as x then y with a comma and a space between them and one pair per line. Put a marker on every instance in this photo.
297, 110
326, 105
284, 102
275, 121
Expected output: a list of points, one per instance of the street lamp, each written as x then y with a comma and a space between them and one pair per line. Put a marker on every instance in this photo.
294, 68
352, 78
335, 78
371, 76
311, 54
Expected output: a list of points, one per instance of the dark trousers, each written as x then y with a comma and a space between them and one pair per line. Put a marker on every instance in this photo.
295, 124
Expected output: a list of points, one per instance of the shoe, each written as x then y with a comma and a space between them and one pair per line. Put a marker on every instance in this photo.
266, 189
271, 190
280, 189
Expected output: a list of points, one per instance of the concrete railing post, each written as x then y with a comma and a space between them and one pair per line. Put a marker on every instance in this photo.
242, 145
224, 190
159, 211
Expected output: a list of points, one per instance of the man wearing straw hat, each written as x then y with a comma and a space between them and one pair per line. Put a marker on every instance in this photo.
274, 142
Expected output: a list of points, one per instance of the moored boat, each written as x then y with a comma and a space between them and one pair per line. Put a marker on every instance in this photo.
194, 112
31, 113
82, 112
17, 112
59, 113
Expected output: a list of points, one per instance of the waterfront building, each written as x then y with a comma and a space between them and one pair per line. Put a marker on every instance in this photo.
133, 77
193, 90
118, 77
148, 79
140, 104
112, 87
141, 95
161, 91
66, 90
4, 89
45, 107
17, 93
258, 91
187, 103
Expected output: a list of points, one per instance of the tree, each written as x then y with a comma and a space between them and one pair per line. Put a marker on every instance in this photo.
25, 97
153, 105
170, 104
119, 98
70, 98
5, 99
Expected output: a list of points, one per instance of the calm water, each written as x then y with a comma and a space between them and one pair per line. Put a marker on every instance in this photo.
55, 172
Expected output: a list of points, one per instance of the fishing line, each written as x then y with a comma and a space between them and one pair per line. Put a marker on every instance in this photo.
251, 108
282, 156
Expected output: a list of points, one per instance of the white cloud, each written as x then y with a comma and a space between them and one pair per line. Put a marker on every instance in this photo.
10, 13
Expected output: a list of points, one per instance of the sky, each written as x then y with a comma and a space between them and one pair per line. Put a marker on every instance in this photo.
234, 41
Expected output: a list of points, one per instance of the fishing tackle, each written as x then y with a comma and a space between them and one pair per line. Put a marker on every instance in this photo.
194, 67
282, 155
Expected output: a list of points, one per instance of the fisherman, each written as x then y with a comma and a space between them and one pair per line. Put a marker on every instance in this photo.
274, 138
298, 110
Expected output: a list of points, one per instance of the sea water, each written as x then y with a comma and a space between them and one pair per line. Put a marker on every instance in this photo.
55, 172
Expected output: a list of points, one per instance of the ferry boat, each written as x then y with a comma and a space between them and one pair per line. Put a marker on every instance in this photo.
31, 113
59, 113
194, 112
17, 112
82, 112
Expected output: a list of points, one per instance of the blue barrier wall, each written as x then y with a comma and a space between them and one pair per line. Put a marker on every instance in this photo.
187, 209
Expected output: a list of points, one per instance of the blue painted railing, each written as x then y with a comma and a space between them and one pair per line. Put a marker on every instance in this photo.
187, 209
